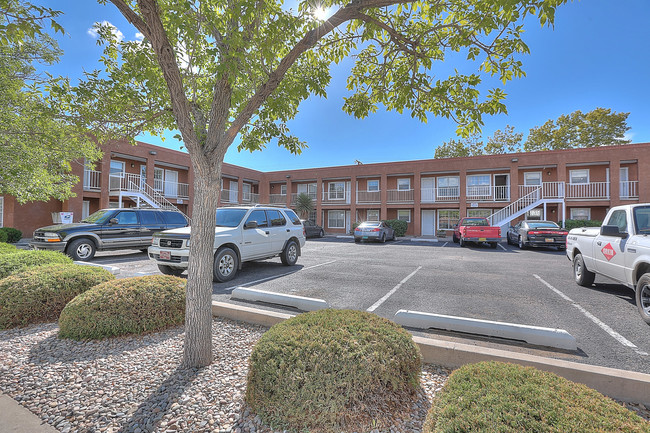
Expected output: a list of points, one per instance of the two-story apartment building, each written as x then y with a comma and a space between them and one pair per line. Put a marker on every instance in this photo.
431, 195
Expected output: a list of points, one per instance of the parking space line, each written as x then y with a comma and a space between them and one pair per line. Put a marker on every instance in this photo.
261, 280
618, 337
393, 290
502, 247
445, 244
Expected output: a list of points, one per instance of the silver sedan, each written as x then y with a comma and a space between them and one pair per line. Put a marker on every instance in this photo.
373, 231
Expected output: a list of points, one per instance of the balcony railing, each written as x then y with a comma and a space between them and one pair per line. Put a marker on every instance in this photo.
229, 196
447, 194
488, 193
368, 196
629, 189
591, 190
294, 196
92, 180
250, 197
277, 199
552, 190
400, 195
136, 183
336, 197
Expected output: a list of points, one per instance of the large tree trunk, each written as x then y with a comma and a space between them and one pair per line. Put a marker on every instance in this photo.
198, 306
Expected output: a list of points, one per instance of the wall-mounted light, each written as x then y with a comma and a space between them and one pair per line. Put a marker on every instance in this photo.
153, 152
132, 165
288, 176
548, 173
514, 160
272, 186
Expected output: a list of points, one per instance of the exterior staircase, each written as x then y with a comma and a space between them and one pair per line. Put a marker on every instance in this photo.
141, 193
548, 192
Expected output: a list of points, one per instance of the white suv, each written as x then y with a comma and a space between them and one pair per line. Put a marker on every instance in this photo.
242, 234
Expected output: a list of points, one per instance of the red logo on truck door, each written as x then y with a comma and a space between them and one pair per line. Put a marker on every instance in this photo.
608, 251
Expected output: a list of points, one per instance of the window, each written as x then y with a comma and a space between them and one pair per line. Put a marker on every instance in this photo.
174, 218
448, 186
618, 219
337, 190
642, 219
373, 185
372, 215
578, 213
307, 188
149, 218
126, 217
283, 189
403, 184
447, 219
336, 219
259, 216
158, 175
479, 213
276, 218
246, 192
312, 216
117, 168
533, 178
404, 215
2, 211
294, 218
579, 176
478, 180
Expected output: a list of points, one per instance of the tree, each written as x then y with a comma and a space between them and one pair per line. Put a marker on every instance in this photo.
37, 146
506, 141
304, 205
600, 127
237, 69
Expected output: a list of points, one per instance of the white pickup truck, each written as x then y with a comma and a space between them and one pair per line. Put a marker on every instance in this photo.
619, 249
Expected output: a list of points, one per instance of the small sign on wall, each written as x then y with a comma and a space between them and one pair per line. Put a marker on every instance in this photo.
474, 205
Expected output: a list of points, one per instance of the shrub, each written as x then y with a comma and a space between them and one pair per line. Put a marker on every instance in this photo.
3, 237
13, 235
572, 224
22, 260
498, 397
398, 225
332, 370
122, 307
40, 293
7, 248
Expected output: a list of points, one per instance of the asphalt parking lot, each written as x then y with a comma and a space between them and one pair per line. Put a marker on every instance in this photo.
529, 287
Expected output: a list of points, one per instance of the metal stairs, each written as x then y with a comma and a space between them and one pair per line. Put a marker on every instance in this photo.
145, 196
534, 198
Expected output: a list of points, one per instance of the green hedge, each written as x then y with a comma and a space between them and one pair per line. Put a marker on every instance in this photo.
572, 224
399, 226
122, 307
7, 248
40, 293
13, 235
491, 397
22, 260
333, 371
3, 237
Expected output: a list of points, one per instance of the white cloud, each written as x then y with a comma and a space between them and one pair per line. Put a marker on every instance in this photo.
139, 37
93, 30
629, 136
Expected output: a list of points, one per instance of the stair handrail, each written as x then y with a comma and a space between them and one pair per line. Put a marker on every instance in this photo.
155, 197
513, 207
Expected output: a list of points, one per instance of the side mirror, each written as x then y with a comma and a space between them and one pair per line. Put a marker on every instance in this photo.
250, 225
511, 227
612, 231
113, 221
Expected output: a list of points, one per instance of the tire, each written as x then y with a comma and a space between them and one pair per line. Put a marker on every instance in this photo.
226, 264
454, 238
356, 241
168, 270
289, 255
508, 239
522, 244
383, 238
643, 297
493, 245
321, 233
82, 249
582, 276
462, 242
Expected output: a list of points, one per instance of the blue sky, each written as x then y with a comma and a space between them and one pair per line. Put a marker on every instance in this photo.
598, 55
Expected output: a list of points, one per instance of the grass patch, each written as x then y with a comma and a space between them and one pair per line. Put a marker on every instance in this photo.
39, 294
333, 371
123, 307
491, 397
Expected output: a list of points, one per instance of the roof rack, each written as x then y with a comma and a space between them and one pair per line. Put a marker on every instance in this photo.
284, 206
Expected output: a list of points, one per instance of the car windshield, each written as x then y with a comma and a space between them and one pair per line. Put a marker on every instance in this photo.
543, 225
642, 219
99, 217
229, 217
475, 222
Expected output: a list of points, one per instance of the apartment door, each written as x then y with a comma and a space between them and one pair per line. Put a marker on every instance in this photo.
624, 178
171, 183
501, 187
347, 221
428, 190
143, 175
85, 209
428, 222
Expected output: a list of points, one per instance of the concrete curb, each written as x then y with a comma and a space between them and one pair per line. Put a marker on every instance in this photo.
299, 302
112, 269
624, 385
17, 419
558, 338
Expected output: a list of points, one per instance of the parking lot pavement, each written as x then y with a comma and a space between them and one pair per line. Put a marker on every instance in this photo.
527, 287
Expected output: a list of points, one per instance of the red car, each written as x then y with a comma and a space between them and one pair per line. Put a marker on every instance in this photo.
476, 230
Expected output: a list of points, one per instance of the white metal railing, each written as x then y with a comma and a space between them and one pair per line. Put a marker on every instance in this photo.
629, 189
400, 195
488, 193
277, 198
591, 190
92, 180
294, 196
549, 189
250, 197
368, 196
446, 194
135, 184
501, 215
331, 197
170, 188
229, 196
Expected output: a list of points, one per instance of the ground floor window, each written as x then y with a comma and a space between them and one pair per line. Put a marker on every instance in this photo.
336, 219
312, 216
2, 211
479, 213
579, 213
447, 218
372, 215
404, 215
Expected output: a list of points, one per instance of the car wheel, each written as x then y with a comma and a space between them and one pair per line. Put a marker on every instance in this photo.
522, 244
357, 240
168, 270
321, 233
508, 239
454, 238
81, 249
643, 297
493, 245
583, 276
226, 264
289, 255
462, 242
383, 238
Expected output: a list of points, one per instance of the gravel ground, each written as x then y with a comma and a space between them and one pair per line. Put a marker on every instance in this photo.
137, 384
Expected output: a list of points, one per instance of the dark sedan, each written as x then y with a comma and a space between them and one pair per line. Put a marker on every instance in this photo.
312, 229
537, 234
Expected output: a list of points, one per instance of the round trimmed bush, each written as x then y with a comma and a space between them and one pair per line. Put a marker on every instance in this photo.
333, 370
498, 397
13, 235
22, 260
40, 293
122, 307
7, 248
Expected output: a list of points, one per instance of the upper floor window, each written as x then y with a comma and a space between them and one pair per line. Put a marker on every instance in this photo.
533, 178
337, 190
373, 185
579, 176
246, 191
117, 168
448, 186
404, 184
283, 189
478, 180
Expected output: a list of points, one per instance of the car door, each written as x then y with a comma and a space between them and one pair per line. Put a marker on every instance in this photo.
608, 250
256, 241
278, 229
122, 230
150, 222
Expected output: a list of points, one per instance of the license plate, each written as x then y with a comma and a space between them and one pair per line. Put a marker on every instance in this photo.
165, 255
550, 240
482, 239
365, 237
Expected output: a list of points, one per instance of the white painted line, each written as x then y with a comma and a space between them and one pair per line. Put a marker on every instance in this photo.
144, 274
261, 280
618, 337
112, 269
299, 302
394, 289
539, 336
445, 244
344, 237
423, 240
502, 247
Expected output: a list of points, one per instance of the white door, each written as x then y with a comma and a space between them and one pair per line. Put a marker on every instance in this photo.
143, 175
85, 209
624, 179
347, 221
428, 222
171, 183
234, 189
428, 189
